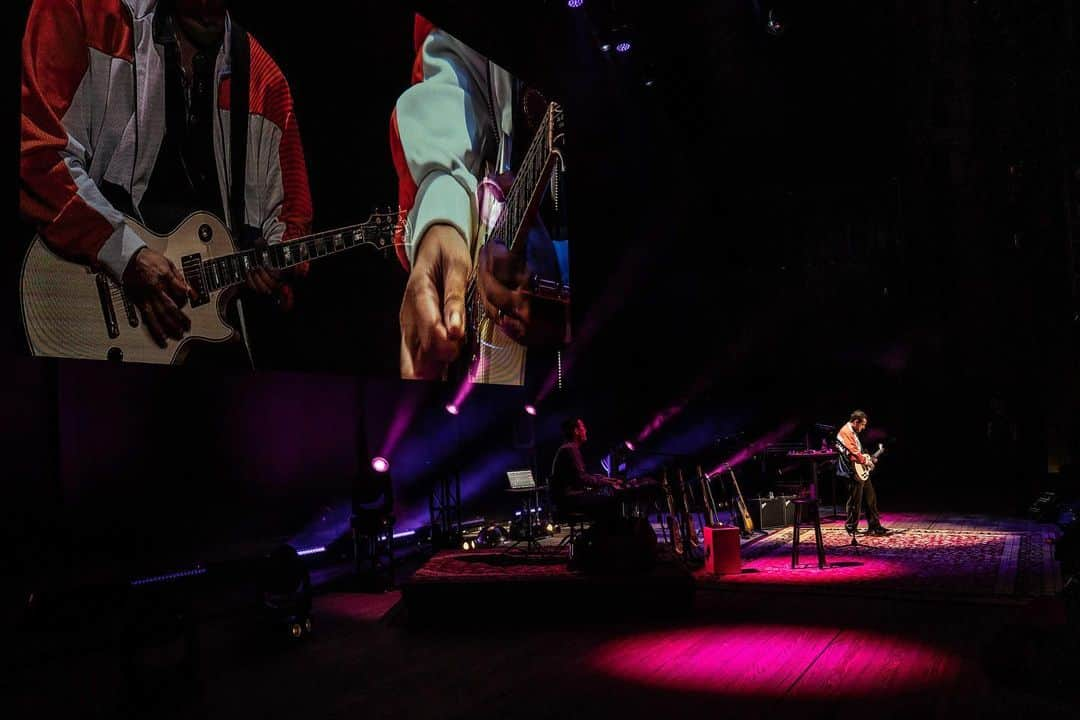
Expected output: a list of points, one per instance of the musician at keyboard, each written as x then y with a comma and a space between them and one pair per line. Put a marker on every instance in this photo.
573, 488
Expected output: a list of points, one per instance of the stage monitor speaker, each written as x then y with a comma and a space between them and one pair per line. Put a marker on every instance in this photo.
774, 512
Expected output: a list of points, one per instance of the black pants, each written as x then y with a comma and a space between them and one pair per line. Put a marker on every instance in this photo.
859, 491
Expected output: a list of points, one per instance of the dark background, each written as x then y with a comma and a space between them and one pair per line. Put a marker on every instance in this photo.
872, 209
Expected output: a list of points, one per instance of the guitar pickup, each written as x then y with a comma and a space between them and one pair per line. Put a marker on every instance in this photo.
107, 309
192, 268
549, 289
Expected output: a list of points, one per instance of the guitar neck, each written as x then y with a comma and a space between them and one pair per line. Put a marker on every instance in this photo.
229, 270
527, 189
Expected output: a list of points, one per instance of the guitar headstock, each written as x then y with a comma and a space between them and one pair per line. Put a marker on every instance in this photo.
385, 225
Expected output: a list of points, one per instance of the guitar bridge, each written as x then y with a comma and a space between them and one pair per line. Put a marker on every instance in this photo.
549, 289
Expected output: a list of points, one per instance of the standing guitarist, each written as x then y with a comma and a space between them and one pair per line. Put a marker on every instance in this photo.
851, 451
462, 113
136, 108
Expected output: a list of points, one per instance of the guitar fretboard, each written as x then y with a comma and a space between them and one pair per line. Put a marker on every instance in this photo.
217, 273
527, 184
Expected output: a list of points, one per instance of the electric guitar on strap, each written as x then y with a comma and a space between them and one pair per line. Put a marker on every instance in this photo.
493, 356
69, 310
863, 470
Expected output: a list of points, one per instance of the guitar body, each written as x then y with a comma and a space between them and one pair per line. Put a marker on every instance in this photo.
863, 470
496, 358
71, 311
744, 514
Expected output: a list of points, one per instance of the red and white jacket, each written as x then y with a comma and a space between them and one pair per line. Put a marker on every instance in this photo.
456, 117
93, 109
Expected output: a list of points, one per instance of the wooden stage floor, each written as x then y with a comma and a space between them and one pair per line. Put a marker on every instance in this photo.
737, 651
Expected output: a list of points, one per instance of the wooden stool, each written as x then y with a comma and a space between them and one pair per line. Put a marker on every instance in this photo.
809, 505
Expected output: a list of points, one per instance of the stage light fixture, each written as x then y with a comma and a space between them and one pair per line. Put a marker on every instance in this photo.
574, 3
773, 25
452, 409
530, 410
283, 588
380, 464
606, 47
623, 47
629, 445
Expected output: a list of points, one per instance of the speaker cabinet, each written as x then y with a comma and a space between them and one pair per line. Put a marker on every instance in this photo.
774, 512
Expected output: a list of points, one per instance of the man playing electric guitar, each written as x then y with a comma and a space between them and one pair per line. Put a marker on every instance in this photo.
462, 118
124, 115
850, 461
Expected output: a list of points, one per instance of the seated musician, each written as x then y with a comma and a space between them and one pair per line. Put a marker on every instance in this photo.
573, 489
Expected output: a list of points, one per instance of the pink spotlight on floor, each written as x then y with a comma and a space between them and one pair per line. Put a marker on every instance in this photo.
380, 464
530, 410
778, 661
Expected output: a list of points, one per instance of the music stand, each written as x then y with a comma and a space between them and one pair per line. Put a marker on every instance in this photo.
522, 482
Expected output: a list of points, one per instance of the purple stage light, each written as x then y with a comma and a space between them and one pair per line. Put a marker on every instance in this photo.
623, 47
530, 410
380, 464
169, 577
311, 551
574, 3
452, 409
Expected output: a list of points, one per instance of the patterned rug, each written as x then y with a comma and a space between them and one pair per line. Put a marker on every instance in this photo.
983, 563
495, 564
508, 565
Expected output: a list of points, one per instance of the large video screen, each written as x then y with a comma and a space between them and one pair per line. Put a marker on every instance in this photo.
238, 186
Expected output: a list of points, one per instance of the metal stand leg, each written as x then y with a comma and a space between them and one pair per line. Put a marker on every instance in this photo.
817, 537
795, 537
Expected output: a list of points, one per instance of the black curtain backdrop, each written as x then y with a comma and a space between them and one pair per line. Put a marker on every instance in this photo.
867, 210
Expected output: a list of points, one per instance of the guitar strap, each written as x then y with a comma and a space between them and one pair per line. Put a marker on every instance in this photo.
239, 95
238, 131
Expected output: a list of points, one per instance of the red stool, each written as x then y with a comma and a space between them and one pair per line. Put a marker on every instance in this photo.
722, 550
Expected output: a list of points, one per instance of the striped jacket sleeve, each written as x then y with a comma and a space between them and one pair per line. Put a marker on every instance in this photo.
849, 440
55, 192
439, 131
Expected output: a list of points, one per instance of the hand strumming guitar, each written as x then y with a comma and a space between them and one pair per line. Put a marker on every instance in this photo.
433, 308
158, 289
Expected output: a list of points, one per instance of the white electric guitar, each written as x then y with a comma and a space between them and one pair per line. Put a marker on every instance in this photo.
493, 357
72, 311
863, 470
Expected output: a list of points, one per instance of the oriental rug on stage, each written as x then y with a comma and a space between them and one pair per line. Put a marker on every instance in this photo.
917, 561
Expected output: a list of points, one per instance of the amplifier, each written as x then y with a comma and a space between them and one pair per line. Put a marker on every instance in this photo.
772, 512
